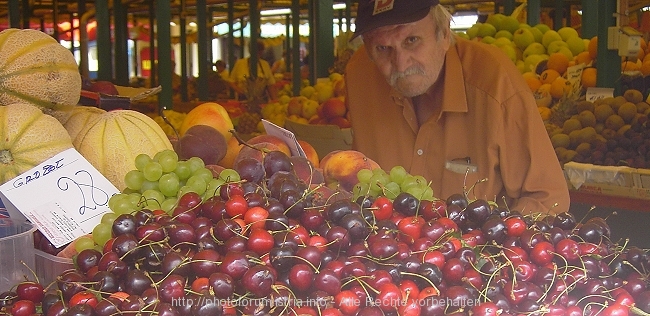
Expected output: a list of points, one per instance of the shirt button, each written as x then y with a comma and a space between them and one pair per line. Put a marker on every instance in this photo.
420, 152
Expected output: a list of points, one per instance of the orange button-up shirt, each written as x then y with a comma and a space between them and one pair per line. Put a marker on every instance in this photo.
488, 118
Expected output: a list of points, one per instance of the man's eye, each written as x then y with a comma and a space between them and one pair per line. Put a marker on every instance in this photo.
412, 39
381, 48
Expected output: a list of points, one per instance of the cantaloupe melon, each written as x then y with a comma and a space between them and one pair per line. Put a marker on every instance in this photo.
36, 69
113, 140
27, 138
75, 118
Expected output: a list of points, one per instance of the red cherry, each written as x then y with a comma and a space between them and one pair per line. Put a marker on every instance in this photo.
236, 206
486, 309
382, 208
347, 302
301, 276
256, 217
29, 290
23, 308
260, 241
542, 253
515, 226
411, 228
83, 297
389, 297
409, 307
436, 257
409, 290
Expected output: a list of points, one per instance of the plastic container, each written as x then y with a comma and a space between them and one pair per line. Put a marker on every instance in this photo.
48, 267
16, 252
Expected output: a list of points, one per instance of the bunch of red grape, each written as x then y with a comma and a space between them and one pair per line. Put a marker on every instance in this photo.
271, 244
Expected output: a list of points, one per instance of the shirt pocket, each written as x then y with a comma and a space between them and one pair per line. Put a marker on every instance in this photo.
457, 179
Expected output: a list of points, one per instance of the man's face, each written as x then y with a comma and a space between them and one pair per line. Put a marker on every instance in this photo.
410, 56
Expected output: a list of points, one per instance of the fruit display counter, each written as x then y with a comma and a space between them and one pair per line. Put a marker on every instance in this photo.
205, 223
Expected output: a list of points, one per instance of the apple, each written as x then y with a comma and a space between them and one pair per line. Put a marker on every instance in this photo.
295, 105
309, 109
324, 91
523, 38
340, 168
333, 107
550, 37
211, 114
534, 49
310, 152
277, 141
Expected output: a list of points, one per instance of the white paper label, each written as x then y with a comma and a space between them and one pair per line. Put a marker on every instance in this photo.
287, 136
594, 93
65, 197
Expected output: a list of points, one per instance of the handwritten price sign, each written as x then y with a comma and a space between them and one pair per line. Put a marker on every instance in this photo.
65, 197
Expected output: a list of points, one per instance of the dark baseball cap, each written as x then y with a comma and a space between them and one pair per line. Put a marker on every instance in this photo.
372, 14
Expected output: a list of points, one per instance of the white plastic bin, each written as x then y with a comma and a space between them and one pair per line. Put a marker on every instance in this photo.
16, 252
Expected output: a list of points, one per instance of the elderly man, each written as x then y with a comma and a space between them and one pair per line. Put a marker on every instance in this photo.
454, 111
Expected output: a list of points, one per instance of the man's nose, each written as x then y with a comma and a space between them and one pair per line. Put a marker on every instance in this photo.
401, 59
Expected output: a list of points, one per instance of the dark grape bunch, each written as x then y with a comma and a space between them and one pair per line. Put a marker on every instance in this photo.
274, 244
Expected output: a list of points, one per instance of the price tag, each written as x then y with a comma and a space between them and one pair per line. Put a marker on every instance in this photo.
287, 136
594, 93
574, 75
65, 197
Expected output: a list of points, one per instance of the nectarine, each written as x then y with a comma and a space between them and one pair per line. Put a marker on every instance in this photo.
310, 152
266, 138
233, 150
333, 107
211, 114
340, 168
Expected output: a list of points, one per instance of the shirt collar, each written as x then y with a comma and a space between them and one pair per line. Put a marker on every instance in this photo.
454, 79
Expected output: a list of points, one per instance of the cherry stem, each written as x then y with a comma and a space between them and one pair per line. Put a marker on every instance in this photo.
241, 141
306, 261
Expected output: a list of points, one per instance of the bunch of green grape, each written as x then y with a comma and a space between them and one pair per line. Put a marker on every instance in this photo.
157, 182
378, 182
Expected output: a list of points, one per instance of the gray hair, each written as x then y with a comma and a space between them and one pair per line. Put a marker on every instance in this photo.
442, 19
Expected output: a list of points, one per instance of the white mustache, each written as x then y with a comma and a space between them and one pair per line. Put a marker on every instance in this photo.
413, 70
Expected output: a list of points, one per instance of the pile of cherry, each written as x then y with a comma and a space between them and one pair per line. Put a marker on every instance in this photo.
284, 248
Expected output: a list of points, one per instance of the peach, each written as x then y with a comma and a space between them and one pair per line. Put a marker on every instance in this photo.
340, 168
323, 195
339, 88
306, 171
333, 107
266, 138
256, 151
341, 122
310, 152
211, 114
231, 153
